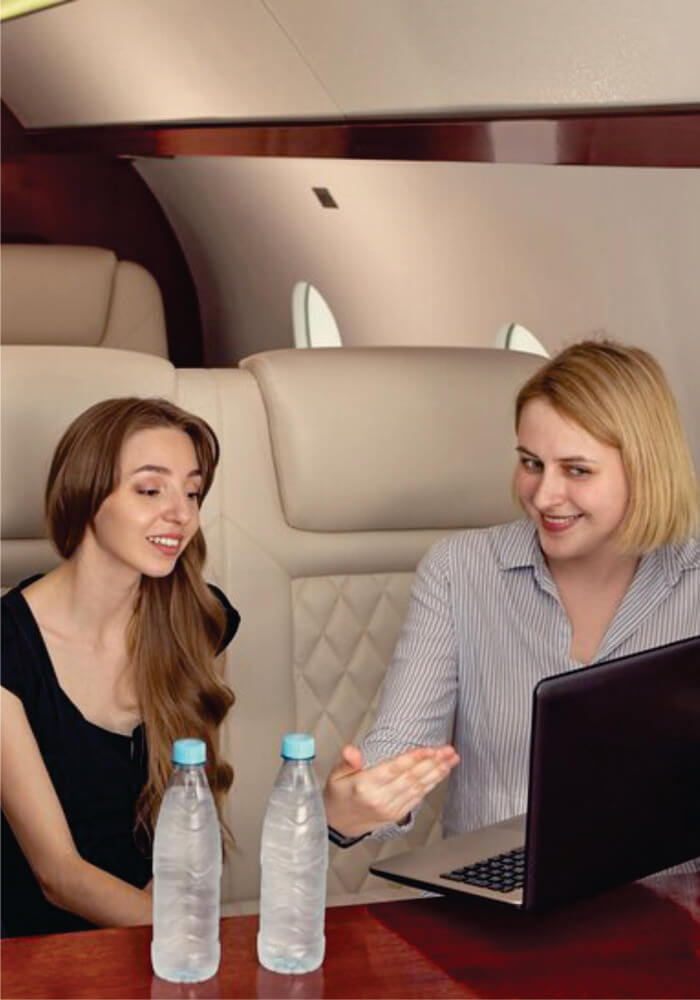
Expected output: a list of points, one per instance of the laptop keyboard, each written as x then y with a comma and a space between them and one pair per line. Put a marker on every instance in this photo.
502, 873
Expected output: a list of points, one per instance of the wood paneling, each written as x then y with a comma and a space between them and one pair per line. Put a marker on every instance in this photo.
645, 139
99, 200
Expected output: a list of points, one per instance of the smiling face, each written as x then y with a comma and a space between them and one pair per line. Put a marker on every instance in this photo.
147, 521
571, 485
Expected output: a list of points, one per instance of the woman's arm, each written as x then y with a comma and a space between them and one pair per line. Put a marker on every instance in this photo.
32, 809
406, 749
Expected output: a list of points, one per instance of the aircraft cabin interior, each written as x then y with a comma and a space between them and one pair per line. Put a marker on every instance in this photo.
344, 233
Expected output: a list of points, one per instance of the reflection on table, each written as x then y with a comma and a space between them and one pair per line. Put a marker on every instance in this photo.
641, 940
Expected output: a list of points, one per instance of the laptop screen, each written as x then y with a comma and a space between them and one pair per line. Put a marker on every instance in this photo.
614, 789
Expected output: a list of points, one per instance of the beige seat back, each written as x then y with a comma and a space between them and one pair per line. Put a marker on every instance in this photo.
80, 295
338, 470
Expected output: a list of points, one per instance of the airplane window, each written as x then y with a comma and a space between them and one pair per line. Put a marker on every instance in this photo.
515, 337
313, 322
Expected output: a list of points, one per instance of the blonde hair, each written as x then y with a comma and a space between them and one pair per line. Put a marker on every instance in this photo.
177, 625
621, 396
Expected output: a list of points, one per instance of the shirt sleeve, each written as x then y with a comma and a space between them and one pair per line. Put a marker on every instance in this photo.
420, 689
232, 617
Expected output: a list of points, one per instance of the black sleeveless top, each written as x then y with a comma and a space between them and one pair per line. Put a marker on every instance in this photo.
97, 775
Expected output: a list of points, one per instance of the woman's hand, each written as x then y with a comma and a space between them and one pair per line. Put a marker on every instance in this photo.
358, 800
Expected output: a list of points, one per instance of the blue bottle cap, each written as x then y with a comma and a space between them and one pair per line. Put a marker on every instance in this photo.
189, 752
298, 746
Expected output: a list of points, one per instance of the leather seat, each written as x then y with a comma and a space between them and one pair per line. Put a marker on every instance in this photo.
82, 296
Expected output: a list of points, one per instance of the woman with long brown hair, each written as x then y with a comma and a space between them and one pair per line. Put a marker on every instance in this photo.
105, 661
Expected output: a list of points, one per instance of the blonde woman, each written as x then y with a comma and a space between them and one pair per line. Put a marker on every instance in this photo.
105, 661
606, 563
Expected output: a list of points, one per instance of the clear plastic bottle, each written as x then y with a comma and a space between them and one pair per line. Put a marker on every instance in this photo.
187, 872
294, 860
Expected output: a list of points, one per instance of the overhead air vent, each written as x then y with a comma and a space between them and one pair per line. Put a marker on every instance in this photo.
325, 197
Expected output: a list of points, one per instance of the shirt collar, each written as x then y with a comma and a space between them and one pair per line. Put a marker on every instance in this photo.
517, 546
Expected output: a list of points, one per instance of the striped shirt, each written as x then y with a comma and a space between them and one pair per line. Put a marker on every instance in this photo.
485, 624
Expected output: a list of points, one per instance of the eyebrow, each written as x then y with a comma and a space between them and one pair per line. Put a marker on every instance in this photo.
565, 458
163, 470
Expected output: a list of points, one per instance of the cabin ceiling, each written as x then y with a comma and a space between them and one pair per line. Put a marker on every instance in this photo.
117, 61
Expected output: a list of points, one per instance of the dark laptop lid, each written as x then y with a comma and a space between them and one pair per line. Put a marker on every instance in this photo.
614, 790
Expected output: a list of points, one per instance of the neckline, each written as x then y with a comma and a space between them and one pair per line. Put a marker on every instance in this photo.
36, 637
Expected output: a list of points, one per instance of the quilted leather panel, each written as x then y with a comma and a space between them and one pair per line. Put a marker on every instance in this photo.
345, 631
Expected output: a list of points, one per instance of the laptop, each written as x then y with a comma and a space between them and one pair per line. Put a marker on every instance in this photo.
614, 789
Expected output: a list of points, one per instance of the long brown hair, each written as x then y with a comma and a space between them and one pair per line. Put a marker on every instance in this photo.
177, 624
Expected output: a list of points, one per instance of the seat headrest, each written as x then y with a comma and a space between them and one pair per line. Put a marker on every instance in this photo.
81, 296
369, 439
43, 390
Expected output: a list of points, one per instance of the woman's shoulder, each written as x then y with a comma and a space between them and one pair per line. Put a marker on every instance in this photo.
10, 626
689, 553
232, 616
20, 643
680, 559
16, 613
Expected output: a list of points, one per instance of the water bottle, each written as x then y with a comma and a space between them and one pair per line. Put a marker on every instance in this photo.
294, 860
187, 872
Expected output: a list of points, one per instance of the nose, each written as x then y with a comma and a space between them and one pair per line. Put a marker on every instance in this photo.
179, 509
550, 491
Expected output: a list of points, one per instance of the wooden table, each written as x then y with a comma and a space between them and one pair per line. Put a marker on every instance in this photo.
642, 940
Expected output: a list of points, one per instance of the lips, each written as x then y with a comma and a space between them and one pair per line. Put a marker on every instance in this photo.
168, 545
558, 524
